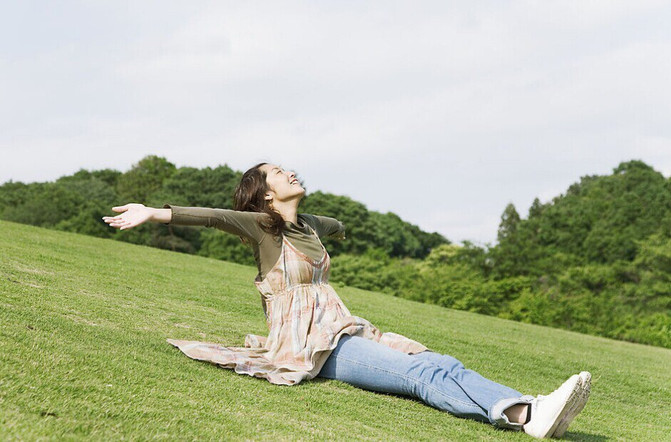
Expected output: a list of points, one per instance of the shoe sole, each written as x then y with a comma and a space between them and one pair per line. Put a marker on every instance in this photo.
570, 403
585, 389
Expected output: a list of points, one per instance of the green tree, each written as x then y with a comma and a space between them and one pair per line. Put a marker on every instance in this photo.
508, 254
206, 187
145, 178
353, 214
368, 229
224, 246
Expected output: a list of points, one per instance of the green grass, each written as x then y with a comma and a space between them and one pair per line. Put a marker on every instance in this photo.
83, 324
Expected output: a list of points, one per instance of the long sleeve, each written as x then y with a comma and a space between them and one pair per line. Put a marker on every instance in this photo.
327, 226
231, 221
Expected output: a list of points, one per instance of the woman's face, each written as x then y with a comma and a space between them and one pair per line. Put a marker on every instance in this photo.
282, 184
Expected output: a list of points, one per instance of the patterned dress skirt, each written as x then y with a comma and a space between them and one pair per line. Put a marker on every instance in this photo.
306, 319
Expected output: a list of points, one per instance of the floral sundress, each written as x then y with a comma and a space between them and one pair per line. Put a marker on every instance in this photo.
306, 318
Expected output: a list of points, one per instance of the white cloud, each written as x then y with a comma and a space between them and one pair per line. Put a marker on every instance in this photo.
442, 112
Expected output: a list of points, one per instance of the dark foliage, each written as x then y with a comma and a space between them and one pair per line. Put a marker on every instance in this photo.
596, 259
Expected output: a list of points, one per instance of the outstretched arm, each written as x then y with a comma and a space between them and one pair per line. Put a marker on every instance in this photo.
231, 221
326, 226
134, 214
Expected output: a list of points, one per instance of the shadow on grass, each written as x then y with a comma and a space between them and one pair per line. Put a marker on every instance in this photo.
318, 380
578, 435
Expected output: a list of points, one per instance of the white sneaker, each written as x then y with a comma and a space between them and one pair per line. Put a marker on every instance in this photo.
585, 389
548, 411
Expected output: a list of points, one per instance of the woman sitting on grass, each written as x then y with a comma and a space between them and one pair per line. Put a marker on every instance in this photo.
312, 333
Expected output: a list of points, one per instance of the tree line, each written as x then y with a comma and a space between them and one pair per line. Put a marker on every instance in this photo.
77, 202
596, 259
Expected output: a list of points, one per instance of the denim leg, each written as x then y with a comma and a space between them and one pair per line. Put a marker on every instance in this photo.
490, 395
439, 381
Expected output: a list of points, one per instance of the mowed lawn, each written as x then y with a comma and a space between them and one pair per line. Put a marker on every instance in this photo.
83, 354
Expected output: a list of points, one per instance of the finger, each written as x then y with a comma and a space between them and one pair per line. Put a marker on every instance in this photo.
120, 208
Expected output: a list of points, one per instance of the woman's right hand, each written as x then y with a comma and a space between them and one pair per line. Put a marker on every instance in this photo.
132, 215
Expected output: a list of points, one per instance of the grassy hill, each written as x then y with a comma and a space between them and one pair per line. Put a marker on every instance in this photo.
83, 324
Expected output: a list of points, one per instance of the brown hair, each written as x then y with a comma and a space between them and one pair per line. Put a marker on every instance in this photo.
250, 197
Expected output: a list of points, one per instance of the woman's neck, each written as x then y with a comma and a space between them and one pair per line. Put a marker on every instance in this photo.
288, 210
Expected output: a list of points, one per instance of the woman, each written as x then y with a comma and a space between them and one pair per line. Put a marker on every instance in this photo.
312, 333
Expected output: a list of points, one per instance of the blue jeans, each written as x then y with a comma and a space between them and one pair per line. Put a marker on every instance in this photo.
438, 380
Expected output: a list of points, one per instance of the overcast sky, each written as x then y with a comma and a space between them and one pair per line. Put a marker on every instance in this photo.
441, 112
